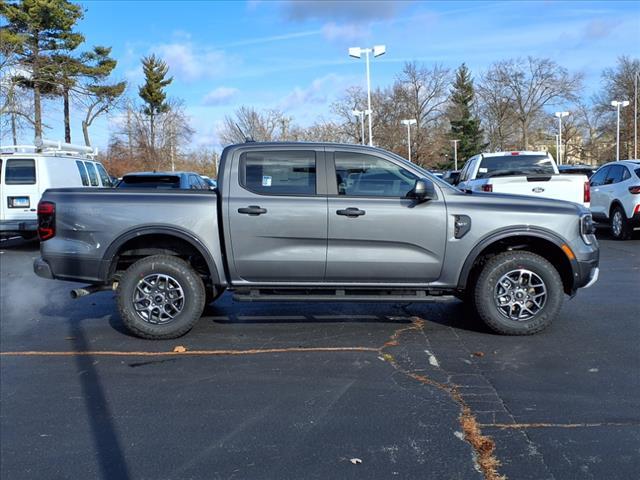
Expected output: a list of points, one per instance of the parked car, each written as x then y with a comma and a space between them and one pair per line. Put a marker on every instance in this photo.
211, 182
523, 173
323, 222
26, 171
615, 197
451, 176
164, 180
587, 170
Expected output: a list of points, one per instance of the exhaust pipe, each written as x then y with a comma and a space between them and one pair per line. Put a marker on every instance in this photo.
89, 289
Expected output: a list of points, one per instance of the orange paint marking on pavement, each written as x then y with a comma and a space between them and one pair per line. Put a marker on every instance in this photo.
188, 352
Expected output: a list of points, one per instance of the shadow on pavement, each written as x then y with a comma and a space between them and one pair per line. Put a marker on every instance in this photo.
109, 450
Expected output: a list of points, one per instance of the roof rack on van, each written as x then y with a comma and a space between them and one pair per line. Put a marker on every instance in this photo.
52, 147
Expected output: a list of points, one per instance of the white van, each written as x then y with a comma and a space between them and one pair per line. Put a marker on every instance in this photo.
26, 171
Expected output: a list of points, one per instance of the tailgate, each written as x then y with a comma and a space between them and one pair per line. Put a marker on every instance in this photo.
570, 188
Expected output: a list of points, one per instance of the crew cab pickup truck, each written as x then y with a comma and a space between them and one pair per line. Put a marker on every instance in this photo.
523, 173
317, 221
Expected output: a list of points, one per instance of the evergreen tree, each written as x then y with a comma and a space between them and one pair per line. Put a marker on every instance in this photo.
97, 96
152, 92
45, 28
465, 126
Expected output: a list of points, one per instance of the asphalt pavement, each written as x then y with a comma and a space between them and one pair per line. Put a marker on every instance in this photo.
318, 390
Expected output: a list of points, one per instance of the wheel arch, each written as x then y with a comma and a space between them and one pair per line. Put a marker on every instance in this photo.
151, 240
541, 242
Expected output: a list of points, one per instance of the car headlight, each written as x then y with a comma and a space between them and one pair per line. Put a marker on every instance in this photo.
587, 228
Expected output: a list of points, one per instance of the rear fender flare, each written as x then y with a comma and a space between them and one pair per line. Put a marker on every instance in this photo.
108, 260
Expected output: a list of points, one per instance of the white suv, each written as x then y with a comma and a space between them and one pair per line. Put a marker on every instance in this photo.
615, 197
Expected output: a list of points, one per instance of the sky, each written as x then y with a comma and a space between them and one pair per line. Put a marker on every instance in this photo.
292, 55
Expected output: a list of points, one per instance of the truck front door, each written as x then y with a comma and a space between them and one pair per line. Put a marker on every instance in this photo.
376, 234
277, 211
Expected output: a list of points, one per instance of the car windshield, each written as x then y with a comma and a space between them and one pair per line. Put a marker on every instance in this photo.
150, 181
506, 165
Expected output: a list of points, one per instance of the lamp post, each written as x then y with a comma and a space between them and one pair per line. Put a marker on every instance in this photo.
408, 123
559, 152
455, 154
635, 115
618, 104
360, 114
356, 52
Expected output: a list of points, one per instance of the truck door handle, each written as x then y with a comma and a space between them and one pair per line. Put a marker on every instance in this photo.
351, 212
252, 210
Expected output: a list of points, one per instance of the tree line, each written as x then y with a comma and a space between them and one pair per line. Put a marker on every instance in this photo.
509, 106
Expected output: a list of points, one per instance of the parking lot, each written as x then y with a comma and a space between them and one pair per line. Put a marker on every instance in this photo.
319, 390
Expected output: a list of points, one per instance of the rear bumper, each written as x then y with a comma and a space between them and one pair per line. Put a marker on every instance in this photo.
42, 269
635, 221
17, 226
72, 268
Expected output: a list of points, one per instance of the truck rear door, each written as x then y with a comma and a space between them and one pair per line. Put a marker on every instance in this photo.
560, 187
277, 215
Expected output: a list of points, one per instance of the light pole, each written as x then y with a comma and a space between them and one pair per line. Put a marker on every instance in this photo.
635, 115
408, 123
455, 154
356, 52
618, 104
360, 114
559, 152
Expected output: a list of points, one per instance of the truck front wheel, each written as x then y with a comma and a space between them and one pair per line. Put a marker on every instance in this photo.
518, 293
160, 297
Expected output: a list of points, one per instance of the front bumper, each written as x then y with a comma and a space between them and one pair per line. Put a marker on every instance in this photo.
586, 270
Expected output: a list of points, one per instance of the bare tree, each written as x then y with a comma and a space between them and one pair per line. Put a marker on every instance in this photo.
247, 122
532, 84
421, 92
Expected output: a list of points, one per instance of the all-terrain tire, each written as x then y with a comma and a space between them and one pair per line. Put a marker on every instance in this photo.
137, 283
486, 289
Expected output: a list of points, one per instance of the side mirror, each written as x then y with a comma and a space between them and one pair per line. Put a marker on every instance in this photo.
423, 190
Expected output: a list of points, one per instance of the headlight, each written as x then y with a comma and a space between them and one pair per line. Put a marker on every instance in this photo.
587, 228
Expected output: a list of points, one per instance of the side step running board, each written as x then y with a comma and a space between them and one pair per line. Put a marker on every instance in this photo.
327, 295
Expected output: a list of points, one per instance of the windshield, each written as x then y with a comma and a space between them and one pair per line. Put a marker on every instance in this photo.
150, 181
505, 165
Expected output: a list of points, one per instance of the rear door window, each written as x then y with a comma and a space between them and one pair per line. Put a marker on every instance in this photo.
615, 174
93, 175
279, 172
20, 171
83, 173
104, 176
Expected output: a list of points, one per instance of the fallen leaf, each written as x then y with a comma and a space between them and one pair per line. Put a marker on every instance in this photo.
355, 461
179, 349
478, 354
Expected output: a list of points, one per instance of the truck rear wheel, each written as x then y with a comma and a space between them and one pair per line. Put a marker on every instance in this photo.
160, 297
518, 293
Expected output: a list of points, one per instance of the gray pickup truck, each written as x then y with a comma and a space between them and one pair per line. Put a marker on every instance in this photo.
317, 221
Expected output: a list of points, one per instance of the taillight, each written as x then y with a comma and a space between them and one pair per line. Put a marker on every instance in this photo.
46, 220
487, 187
635, 190
587, 193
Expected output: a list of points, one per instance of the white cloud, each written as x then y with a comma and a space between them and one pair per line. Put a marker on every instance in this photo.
318, 92
350, 31
349, 10
189, 63
220, 96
